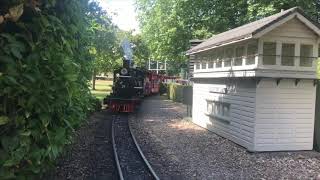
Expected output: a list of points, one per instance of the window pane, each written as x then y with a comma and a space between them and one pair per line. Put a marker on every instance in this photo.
239, 55
306, 55
287, 58
210, 64
269, 53
197, 62
219, 59
228, 57
226, 110
251, 53
215, 108
227, 63
204, 63
210, 61
220, 109
209, 108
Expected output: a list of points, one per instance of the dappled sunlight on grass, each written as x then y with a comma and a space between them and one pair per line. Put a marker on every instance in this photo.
103, 88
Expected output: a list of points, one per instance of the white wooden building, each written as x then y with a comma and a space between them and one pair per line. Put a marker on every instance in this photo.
255, 84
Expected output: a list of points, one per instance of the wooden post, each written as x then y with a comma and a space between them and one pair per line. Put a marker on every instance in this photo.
278, 53
94, 80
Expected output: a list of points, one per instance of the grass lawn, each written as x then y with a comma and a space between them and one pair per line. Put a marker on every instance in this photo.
103, 88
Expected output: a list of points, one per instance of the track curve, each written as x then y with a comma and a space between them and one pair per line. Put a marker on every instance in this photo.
131, 163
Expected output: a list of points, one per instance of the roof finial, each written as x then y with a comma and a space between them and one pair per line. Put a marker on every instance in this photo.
282, 10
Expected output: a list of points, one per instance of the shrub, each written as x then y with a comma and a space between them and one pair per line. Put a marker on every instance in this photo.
44, 74
175, 92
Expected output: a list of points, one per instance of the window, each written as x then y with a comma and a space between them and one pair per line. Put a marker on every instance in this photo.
239, 55
204, 62
218, 109
287, 55
251, 53
197, 62
269, 53
211, 61
306, 55
198, 65
228, 57
219, 58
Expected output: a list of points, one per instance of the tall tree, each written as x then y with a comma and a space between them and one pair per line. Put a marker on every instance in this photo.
168, 25
103, 41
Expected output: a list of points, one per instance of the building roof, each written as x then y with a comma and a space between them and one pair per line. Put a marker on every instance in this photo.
248, 31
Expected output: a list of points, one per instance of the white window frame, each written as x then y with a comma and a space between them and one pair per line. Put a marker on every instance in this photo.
218, 110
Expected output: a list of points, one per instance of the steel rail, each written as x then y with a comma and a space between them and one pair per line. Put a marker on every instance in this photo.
115, 150
142, 155
146, 162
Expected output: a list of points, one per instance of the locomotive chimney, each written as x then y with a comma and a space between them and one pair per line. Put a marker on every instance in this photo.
128, 55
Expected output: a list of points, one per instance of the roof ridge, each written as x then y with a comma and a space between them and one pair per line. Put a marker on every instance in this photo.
264, 18
248, 29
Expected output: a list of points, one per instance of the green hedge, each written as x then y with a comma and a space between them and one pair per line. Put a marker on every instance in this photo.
45, 70
177, 92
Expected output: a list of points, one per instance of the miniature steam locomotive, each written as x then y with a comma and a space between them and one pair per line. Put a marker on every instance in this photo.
130, 85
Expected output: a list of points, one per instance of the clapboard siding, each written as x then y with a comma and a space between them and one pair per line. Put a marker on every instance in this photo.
272, 107
284, 115
240, 96
293, 28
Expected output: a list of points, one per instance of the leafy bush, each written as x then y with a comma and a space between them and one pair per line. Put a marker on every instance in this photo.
45, 69
163, 88
175, 92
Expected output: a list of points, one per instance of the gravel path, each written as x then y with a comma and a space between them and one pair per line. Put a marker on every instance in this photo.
90, 157
179, 149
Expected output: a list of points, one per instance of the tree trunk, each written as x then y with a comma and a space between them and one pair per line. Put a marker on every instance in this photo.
94, 80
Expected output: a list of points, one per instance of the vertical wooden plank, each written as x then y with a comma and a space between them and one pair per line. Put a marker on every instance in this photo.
315, 54
245, 57
259, 58
278, 53
297, 54
200, 61
317, 121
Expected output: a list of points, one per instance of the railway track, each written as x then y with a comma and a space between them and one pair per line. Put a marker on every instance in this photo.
131, 163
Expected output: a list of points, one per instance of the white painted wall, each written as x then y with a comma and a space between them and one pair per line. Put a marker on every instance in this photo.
294, 28
284, 115
241, 96
264, 116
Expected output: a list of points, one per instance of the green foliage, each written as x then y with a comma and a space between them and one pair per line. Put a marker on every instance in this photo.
163, 89
45, 67
175, 92
168, 25
104, 43
141, 53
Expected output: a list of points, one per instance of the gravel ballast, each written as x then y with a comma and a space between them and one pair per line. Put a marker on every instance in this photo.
179, 149
91, 154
